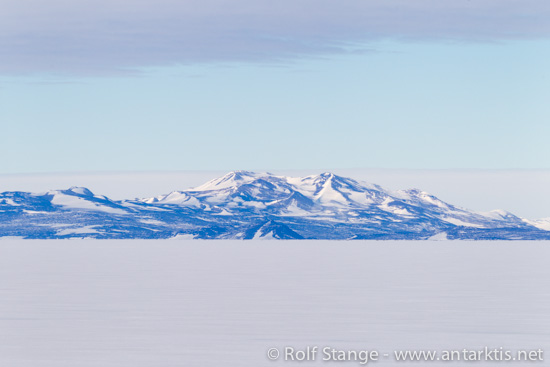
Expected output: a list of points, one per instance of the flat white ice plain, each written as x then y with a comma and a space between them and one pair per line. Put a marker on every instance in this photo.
225, 303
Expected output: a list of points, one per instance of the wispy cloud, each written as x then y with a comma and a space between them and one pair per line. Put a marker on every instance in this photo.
113, 36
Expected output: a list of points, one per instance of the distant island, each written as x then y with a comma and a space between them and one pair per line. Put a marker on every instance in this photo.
248, 205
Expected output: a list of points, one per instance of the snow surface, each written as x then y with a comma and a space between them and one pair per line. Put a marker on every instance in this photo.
78, 230
75, 202
229, 180
442, 236
176, 197
543, 223
225, 303
8, 201
498, 214
150, 221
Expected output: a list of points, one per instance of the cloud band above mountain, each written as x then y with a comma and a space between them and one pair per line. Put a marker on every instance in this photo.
104, 37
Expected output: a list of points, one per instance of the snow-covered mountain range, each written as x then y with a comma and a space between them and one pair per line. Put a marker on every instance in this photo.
248, 205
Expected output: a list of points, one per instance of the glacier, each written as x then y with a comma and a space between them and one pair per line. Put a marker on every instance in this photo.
251, 205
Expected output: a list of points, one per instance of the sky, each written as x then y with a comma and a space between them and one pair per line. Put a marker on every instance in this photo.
271, 85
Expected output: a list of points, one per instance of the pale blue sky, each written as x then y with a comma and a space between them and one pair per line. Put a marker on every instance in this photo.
401, 89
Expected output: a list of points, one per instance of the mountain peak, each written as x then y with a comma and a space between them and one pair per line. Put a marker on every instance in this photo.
324, 176
81, 191
231, 179
240, 174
